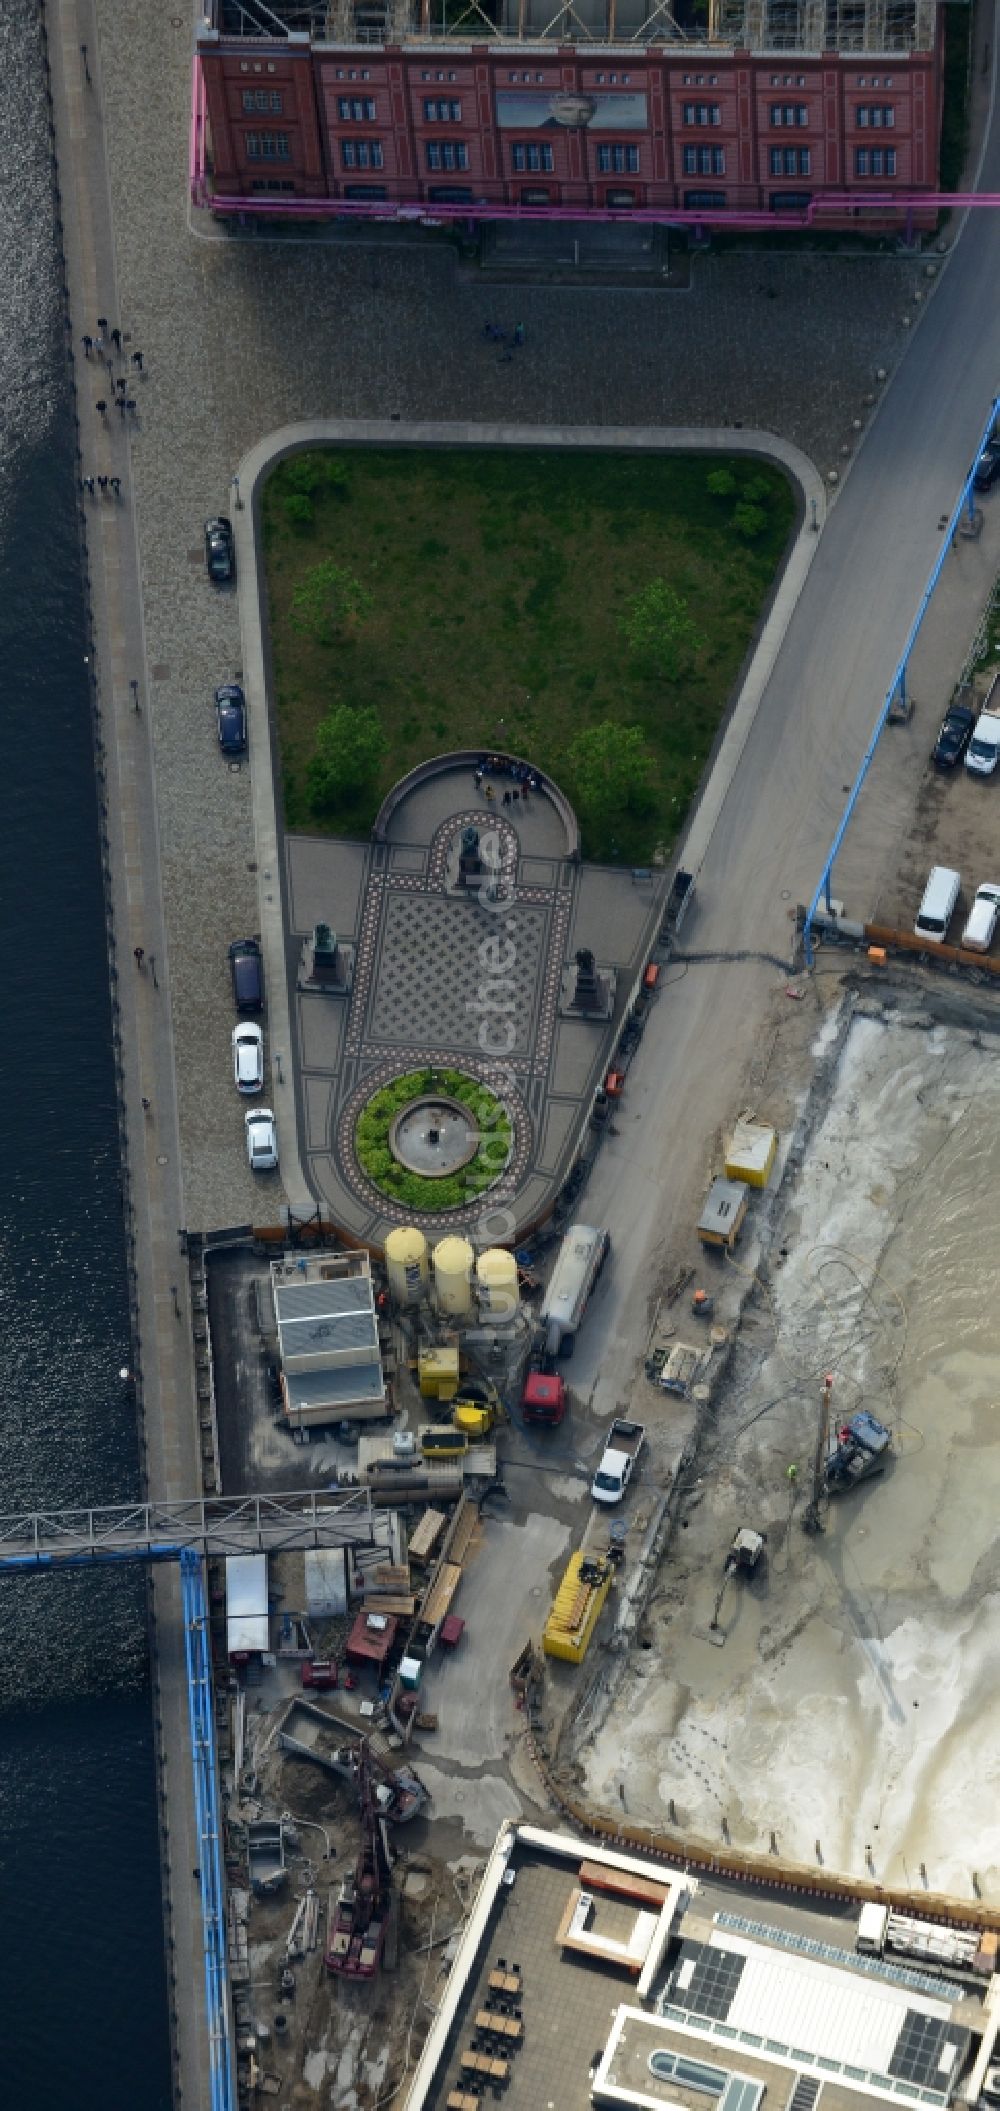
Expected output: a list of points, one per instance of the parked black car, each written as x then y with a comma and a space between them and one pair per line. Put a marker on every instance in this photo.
231, 713
220, 551
987, 467
247, 970
953, 739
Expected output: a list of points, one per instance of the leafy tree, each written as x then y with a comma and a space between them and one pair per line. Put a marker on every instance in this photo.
349, 748
660, 629
721, 483
756, 491
303, 473
299, 510
613, 775
329, 599
749, 521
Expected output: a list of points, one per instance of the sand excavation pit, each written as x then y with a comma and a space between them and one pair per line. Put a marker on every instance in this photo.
856, 1700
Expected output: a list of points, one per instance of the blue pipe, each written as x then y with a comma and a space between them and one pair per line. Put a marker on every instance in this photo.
897, 685
94, 1557
197, 1644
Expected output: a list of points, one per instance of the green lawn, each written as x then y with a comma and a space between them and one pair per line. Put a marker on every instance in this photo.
499, 582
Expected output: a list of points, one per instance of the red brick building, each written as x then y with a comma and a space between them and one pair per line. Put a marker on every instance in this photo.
384, 110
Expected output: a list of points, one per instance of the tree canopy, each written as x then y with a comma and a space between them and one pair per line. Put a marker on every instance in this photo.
660, 629
329, 599
349, 748
613, 774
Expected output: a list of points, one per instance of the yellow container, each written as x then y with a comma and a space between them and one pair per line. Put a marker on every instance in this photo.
576, 1608
751, 1153
437, 1372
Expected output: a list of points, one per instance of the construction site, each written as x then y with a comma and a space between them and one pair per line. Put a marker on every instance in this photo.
828, 1694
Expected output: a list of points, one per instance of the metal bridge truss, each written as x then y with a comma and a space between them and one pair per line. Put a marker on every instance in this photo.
209, 1525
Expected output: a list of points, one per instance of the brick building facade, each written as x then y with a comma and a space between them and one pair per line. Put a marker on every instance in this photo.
574, 129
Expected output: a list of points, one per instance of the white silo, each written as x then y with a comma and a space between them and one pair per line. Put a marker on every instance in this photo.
453, 1259
407, 1265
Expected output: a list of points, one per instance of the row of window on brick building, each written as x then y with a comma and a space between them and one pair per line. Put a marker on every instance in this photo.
448, 156
447, 110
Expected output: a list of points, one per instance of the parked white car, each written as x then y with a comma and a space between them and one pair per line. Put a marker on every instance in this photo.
248, 1057
977, 936
982, 756
262, 1140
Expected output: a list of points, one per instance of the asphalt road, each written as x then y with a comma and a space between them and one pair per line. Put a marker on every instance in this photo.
768, 845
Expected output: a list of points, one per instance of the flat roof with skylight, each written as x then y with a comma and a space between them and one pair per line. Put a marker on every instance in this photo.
588, 1977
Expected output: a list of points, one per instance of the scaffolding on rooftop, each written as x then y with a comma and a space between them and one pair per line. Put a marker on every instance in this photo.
801, 26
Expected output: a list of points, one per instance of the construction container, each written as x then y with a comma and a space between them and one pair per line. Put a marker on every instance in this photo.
407, 1265
437, 1371
751, 1153
721, 1220
453, 1258
496, 1284
577, 1607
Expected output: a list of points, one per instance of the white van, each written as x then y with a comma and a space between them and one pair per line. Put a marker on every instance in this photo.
938, 906
977, 936
983, 752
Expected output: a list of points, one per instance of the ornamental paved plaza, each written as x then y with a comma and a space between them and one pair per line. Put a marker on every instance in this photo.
424, 992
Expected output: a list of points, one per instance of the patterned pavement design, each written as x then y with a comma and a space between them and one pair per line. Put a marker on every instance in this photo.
423, 990
431, 980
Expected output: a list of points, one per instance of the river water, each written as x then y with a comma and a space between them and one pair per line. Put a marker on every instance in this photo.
82, 1988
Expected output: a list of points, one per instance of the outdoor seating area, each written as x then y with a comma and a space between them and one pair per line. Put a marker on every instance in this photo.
498, 2033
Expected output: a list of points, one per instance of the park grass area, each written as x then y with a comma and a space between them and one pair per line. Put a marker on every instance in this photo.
499, 582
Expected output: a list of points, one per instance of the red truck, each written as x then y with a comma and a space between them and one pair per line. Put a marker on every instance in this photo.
544, 1398
321, 1673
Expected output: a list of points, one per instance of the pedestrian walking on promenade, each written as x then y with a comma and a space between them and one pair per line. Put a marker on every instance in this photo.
116, 485
101, 407
86, 65
138, 955
131, 404
137, 361
488, 793
89, 485
121, 386
146, 1104
88, 345
116, 339
102, 485
102, 323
